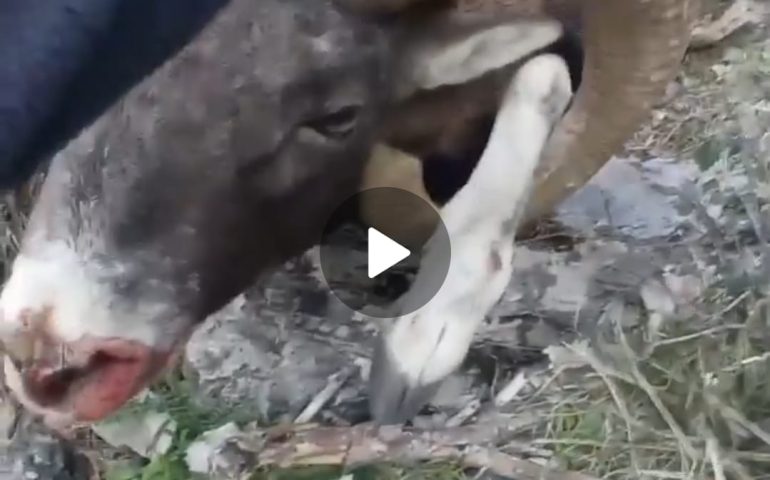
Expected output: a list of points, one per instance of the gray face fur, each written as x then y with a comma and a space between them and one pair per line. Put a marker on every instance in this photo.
215, 163
223, 163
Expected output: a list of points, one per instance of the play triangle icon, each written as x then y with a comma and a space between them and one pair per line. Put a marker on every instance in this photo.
383, 252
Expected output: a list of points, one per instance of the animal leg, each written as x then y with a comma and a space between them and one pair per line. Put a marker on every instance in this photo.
424, 347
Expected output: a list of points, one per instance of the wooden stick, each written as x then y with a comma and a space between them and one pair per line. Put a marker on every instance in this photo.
347, 447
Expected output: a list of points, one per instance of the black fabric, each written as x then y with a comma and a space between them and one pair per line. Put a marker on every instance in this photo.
64, 62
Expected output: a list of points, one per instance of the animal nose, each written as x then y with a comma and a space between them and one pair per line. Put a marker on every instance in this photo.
42, 362
41, 365
22, 339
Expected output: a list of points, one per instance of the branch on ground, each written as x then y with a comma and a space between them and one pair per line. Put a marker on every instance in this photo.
235, 454
738, 15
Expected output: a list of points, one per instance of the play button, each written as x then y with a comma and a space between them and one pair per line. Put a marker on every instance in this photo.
373, 246
383, 253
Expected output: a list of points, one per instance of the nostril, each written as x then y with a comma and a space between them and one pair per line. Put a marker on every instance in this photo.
24, 337
49, 387
83, 380
52, 385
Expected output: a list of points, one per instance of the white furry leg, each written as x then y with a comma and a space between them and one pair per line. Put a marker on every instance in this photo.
424, 347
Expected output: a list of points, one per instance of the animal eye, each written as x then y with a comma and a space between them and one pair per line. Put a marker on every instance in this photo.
336, 125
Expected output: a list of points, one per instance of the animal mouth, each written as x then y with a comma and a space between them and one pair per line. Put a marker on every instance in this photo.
85, 380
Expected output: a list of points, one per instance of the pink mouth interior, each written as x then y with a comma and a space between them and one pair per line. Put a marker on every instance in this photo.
115, 371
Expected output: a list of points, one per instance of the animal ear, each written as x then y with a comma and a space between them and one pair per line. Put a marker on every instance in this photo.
454, 48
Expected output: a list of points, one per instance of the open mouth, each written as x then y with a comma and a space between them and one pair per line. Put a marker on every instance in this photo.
85, 380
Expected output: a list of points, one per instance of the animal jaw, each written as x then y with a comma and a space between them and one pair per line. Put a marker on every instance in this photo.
422, 348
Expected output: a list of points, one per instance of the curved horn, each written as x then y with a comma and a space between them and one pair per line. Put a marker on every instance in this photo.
633, 48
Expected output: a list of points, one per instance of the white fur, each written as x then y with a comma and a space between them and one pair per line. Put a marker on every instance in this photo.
56, 278
431, 64
429, 344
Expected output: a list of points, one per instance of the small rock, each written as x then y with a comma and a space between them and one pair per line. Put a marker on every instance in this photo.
201, 452
635, 199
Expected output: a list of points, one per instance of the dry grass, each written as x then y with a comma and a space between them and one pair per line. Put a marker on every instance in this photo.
14, 209
691, 399
713, 85
693, 404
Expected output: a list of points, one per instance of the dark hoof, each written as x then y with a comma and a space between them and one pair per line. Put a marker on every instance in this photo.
393, 399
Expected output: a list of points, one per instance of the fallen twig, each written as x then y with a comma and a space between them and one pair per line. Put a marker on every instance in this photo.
334, 384
236, 454
740, 13
714, 455
468, 411
512, 389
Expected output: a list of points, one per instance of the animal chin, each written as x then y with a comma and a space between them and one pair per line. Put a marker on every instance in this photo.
101, 377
